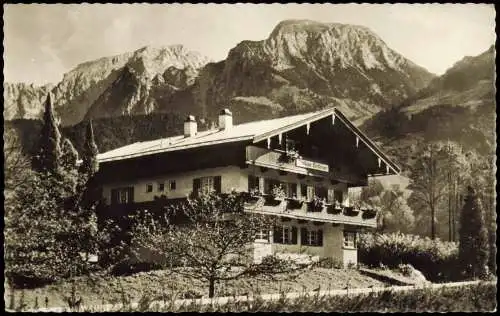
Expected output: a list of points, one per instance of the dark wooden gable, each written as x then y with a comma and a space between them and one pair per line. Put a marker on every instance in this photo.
220, 155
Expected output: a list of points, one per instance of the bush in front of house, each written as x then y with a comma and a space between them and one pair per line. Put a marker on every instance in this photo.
330, 263
437, 260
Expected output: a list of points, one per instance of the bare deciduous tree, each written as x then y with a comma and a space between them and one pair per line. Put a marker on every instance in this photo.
16, 164
214, 244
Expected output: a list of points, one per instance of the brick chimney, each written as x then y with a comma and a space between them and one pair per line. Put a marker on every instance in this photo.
190, 126
225, 119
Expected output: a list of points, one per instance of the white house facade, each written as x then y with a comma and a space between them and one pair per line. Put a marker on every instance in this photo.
314, 157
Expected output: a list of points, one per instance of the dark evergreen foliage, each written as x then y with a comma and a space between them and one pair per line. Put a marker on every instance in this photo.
69, 155
473, 247
89, 164
48, 155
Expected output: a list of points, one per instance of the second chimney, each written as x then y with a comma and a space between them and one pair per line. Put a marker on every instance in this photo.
190, 126
225, 119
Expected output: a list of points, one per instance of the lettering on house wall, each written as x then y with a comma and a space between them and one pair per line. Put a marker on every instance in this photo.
311, 165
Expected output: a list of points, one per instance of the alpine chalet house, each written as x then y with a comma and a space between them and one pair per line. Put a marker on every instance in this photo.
314, 157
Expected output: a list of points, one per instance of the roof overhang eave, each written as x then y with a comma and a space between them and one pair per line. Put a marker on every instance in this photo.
176, 148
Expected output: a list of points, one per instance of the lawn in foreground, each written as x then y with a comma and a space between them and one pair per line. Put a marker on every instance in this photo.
106, 289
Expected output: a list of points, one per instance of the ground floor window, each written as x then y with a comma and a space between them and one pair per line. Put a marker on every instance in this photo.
253, 183
285, 235
122, 195
311, 237
206, 185
350, 239
263, 235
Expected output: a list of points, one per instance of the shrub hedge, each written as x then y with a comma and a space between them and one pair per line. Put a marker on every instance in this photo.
436, 259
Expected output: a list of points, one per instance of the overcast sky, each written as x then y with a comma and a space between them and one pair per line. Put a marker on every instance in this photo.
44, 41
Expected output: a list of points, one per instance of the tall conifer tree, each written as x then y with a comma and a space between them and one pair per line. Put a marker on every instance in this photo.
48, 157
473, 247
90, 165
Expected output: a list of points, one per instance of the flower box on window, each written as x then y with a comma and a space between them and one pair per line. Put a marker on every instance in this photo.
369, 213
351, 211
315, 205
253, 196
294, 203
276, 197
333, 209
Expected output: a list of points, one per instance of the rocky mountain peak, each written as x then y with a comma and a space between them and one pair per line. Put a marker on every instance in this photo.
155, 60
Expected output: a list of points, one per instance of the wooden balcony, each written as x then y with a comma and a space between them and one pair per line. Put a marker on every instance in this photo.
304, 210
276, 159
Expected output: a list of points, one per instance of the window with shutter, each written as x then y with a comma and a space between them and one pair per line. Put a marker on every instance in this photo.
331, 196
312, 237
320, 237
196, 186
303, 236
277, 234
172, 185
161, 186
303, 190
294, 235
291, 190
206, 185
350, 239
262, 234
339, 196
122, 195
114, 196
217, 184
310, 192
285, 235
130, 197
253, 183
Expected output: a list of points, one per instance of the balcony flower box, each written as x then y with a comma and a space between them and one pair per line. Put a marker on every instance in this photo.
351, 211
252, 197
276, 197
315, 205
369, 213
294, 203
270, 200
333, 209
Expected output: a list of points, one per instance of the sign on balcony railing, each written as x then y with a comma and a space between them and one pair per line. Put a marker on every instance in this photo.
311, 165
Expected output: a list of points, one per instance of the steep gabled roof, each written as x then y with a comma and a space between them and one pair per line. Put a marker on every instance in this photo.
246, 131
252, 131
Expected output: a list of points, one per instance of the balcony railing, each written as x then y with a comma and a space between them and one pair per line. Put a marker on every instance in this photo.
278, 159
302, 209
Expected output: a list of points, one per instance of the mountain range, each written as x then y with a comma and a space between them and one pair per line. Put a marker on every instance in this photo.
302, 66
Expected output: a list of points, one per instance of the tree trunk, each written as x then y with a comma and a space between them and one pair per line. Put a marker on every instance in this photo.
211, 288
433, 224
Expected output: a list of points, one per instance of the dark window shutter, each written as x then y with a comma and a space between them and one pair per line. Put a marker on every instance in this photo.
218, 184
294, 235
331, 196
130, 195
253, 182
320, 237
338, 196
114, 196
303, 235
303, 190
293, 189
196, 186
277, 231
